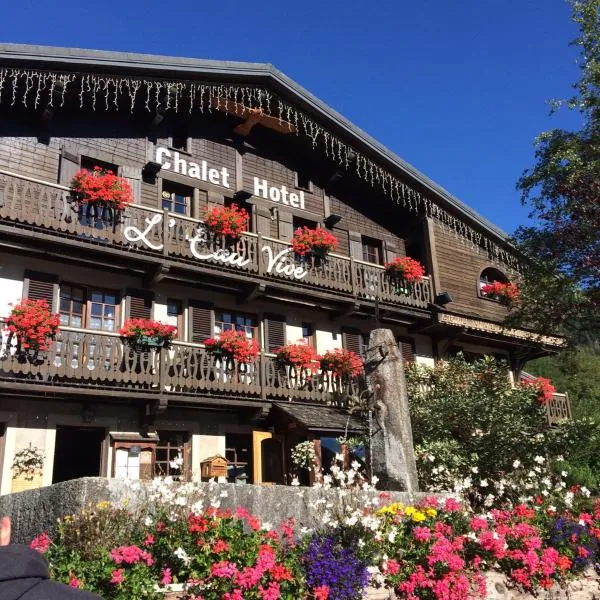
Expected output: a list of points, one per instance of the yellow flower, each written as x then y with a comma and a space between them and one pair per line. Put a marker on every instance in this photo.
102, 505
391, 509
418, 516
431, 512
409, 511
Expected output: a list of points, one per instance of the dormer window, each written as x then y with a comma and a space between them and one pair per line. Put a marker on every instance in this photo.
490, 276
494, 285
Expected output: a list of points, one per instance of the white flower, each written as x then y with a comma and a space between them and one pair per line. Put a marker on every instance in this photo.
563, 473
147, 521
516, 464
474, 470
267, 526
483, 483
374, 480
539, 460
355, 465
585, 492
182, 555
560, 458
430, 457
295, 481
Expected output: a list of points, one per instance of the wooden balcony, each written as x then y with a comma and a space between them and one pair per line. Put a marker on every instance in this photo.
27, 204
558, 409
101, 364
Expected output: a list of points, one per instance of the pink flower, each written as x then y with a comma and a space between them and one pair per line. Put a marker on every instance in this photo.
74, 582
272, 592
117, 576
166, 578
41, 543
392, 566
321, 592
422, 534
235, 595
451, 505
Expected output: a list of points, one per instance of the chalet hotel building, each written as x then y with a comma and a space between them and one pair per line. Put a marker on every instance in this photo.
188, 135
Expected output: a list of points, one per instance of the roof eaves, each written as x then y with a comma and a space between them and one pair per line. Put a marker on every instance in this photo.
161, 65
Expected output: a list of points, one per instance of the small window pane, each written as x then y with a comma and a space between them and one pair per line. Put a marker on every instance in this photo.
97, 310
96, 296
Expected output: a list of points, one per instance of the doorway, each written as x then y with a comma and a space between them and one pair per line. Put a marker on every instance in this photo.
77, 452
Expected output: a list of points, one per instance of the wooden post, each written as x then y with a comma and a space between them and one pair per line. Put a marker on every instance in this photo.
165, 232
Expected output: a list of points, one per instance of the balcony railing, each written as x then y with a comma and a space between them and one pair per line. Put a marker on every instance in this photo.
26, 202
558, 409
84, 358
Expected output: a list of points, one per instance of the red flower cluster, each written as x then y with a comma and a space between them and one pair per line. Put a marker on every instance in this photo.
234, 344
544, 388
342, 363
33, 324
318, 240
41, 543
229, 221
506, 293
102, 187
298, 355
130, 555
406, 268
136, 328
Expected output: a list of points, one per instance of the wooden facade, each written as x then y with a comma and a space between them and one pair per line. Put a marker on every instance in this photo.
299, 164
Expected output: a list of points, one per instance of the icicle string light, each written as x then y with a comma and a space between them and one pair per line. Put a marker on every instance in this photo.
160, 95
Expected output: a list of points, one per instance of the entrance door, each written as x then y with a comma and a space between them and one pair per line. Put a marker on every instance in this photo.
77, 452
268, 458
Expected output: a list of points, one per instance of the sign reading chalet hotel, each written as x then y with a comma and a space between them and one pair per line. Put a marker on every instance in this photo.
139, 409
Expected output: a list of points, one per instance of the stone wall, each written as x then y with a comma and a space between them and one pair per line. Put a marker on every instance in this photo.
34, 511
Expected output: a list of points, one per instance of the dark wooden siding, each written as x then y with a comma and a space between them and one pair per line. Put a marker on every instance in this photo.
459, 265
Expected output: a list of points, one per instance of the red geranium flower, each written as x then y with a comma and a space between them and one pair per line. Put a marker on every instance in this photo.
102, 187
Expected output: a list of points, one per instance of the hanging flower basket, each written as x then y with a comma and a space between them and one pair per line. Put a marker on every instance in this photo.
228, 221
299, 355
145, 334
319, 242
33, 325
101, 189
233, 345
405, 268
342, 363
505, 293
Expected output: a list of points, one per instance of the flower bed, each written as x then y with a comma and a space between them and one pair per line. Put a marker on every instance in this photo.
436, 549
318, 242
146, 333
102, 188
33, 325
229, 221
234, 345
342, 363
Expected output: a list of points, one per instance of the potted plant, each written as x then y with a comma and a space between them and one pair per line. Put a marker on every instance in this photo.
103, 194
300, 355
318, 242
342, 363
234, 345
304, 455
505, 293
27, 468
143, 334
228, 221
33, 326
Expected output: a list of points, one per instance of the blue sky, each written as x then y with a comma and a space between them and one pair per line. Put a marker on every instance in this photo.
457, 88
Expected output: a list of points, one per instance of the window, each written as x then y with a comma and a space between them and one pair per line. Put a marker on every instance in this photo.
238, 452
227, 320
299, 223
170, 455
176, 198
308, 334
175, 316
103, 307
372, 250
90, 308
491, 275
303, 181
329, 448
89, 164
180, 142
72, 306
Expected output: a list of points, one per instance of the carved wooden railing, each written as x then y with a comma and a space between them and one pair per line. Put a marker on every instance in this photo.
27, 202
91, 358
558, 409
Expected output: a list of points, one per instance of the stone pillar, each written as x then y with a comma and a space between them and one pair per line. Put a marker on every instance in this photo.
392, 442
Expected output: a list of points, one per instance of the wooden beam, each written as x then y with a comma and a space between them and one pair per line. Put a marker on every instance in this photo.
155, 274
345, 310
251, 292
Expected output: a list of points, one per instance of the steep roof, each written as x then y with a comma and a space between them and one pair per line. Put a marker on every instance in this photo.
30, 56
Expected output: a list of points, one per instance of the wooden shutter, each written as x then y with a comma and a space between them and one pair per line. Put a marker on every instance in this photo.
392, 248
351, 340
133, 175
41, 286
408, 350
274, 332
139, 304
69, 165
201, 323
286, 226
356, 250
263, 221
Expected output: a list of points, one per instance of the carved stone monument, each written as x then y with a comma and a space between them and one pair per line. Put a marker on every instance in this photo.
392, 442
